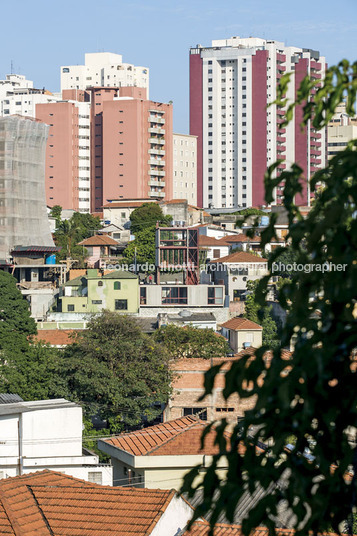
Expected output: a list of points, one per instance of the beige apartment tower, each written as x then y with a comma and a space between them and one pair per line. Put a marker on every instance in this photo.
185, 168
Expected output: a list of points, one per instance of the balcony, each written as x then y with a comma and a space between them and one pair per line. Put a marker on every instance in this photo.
157, 141
156, 119
156, 162
281, 130
281, 68
315, 152
160, 152
156, 173
280, 120
281, 148
156, 194
280, 139
153, 182
315, 161
280, 111
156, 130
280, 57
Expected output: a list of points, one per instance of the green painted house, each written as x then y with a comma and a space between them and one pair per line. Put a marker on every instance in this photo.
90, 293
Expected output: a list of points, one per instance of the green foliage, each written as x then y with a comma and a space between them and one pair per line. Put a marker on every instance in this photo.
312, 396
31, 372
117, 372
188, 342
144, 245
251, 212
146, 216
16, 323
261, 315
284, 261
56, 212
90, 442
70, 232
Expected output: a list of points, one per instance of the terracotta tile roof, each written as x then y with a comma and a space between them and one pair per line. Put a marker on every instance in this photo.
173, 438
239, 323
98, 240
174, 201
242, 238
53, 504
204, 240
56, 337
241, 256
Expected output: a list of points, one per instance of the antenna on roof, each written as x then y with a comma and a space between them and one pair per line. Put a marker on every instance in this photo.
12, 67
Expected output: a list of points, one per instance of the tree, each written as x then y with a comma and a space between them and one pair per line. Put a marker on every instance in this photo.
261, 315
32, 372
142, 248
16, 323
117, 372
146, 216
56, 212
189, 342
70, 232
312, 395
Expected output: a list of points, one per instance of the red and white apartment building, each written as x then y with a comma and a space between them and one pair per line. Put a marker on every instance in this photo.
238, 134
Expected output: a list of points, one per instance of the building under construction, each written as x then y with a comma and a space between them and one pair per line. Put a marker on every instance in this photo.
23, 214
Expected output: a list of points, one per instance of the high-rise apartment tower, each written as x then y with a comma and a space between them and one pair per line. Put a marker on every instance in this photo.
232, 84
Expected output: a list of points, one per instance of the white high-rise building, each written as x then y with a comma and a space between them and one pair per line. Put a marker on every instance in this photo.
19, 97
239, 135
104, 69
185, 168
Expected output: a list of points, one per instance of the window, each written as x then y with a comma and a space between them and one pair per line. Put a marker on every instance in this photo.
65, 70
95, 477
224, 410
70, 307
121, 305
96, 302
215, 295
200, 412
174, 295
142, 295
116, 285
216, 253
100, 283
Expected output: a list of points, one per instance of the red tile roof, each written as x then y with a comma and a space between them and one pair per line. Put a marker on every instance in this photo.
241, 257
173, 438
242, 238
239, 323
56, 337
204, 240
175, 201
49, 503
98, 240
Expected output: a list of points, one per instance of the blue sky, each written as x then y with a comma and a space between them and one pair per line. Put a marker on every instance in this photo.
39, 36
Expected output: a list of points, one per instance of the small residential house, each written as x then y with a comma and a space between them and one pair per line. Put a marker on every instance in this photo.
101, 249
47, 434
214, 248
49, 503
159, 456
90, 293
117, 211
188, 318
235, 270
243, 242
242, 333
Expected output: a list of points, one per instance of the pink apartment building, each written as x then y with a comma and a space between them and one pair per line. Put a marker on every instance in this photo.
61, 153
107, 143
131, 146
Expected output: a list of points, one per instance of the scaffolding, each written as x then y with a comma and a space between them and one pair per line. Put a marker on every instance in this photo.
23, 211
